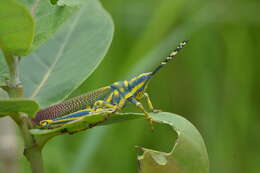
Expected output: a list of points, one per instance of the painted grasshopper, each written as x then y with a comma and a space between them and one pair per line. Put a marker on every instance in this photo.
113, 97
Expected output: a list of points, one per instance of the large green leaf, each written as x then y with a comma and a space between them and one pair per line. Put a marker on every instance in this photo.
49, 18
16, 28
189, 154
65, 61
9, 106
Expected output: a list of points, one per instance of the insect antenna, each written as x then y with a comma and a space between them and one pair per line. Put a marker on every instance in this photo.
170, 57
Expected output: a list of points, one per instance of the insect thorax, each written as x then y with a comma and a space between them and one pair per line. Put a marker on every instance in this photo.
133, 87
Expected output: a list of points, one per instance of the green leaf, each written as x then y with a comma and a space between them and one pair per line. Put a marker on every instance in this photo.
64, 62
49, 18
16, 28
9, 106
189, 154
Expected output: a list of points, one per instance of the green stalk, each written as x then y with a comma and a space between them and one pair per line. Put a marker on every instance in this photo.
34, 155
14, 87
32, 151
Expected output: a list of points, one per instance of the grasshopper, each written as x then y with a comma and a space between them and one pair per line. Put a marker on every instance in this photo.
113, 97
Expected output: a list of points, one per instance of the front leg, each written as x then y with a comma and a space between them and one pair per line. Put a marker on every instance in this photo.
150, 105
141, 107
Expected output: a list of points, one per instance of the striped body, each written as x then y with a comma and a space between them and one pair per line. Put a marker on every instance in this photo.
119, 94
60, 121
110, 98
125, 91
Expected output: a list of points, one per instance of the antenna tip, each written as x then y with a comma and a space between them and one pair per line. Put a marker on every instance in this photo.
185, 42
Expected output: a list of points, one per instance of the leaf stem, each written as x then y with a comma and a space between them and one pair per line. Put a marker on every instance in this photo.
32, 151
34, 155
14, 85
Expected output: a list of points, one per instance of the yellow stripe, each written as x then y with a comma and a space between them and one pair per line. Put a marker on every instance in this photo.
116, 93
109, 99
116, 83
121, 103
139, 76
131, 93
126, 83
133, 79
122, 90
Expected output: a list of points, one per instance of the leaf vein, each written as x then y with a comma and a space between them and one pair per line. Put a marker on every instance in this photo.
58, 56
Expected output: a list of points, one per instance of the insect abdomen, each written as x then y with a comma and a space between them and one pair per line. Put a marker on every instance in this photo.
72, 105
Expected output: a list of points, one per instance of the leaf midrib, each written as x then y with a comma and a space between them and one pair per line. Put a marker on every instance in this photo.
58, 56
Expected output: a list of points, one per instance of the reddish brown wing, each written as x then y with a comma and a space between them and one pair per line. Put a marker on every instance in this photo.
71, 105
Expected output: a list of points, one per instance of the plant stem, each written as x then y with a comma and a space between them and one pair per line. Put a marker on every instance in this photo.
34, 156
32, 151
14, 85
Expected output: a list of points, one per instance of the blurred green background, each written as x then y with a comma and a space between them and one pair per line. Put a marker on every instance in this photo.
213, 83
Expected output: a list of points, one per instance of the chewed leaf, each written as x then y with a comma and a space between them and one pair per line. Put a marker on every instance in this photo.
189, 154
11, 106
16, 28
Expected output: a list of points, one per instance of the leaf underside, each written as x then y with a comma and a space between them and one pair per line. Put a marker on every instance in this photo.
60, 65
48, 19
